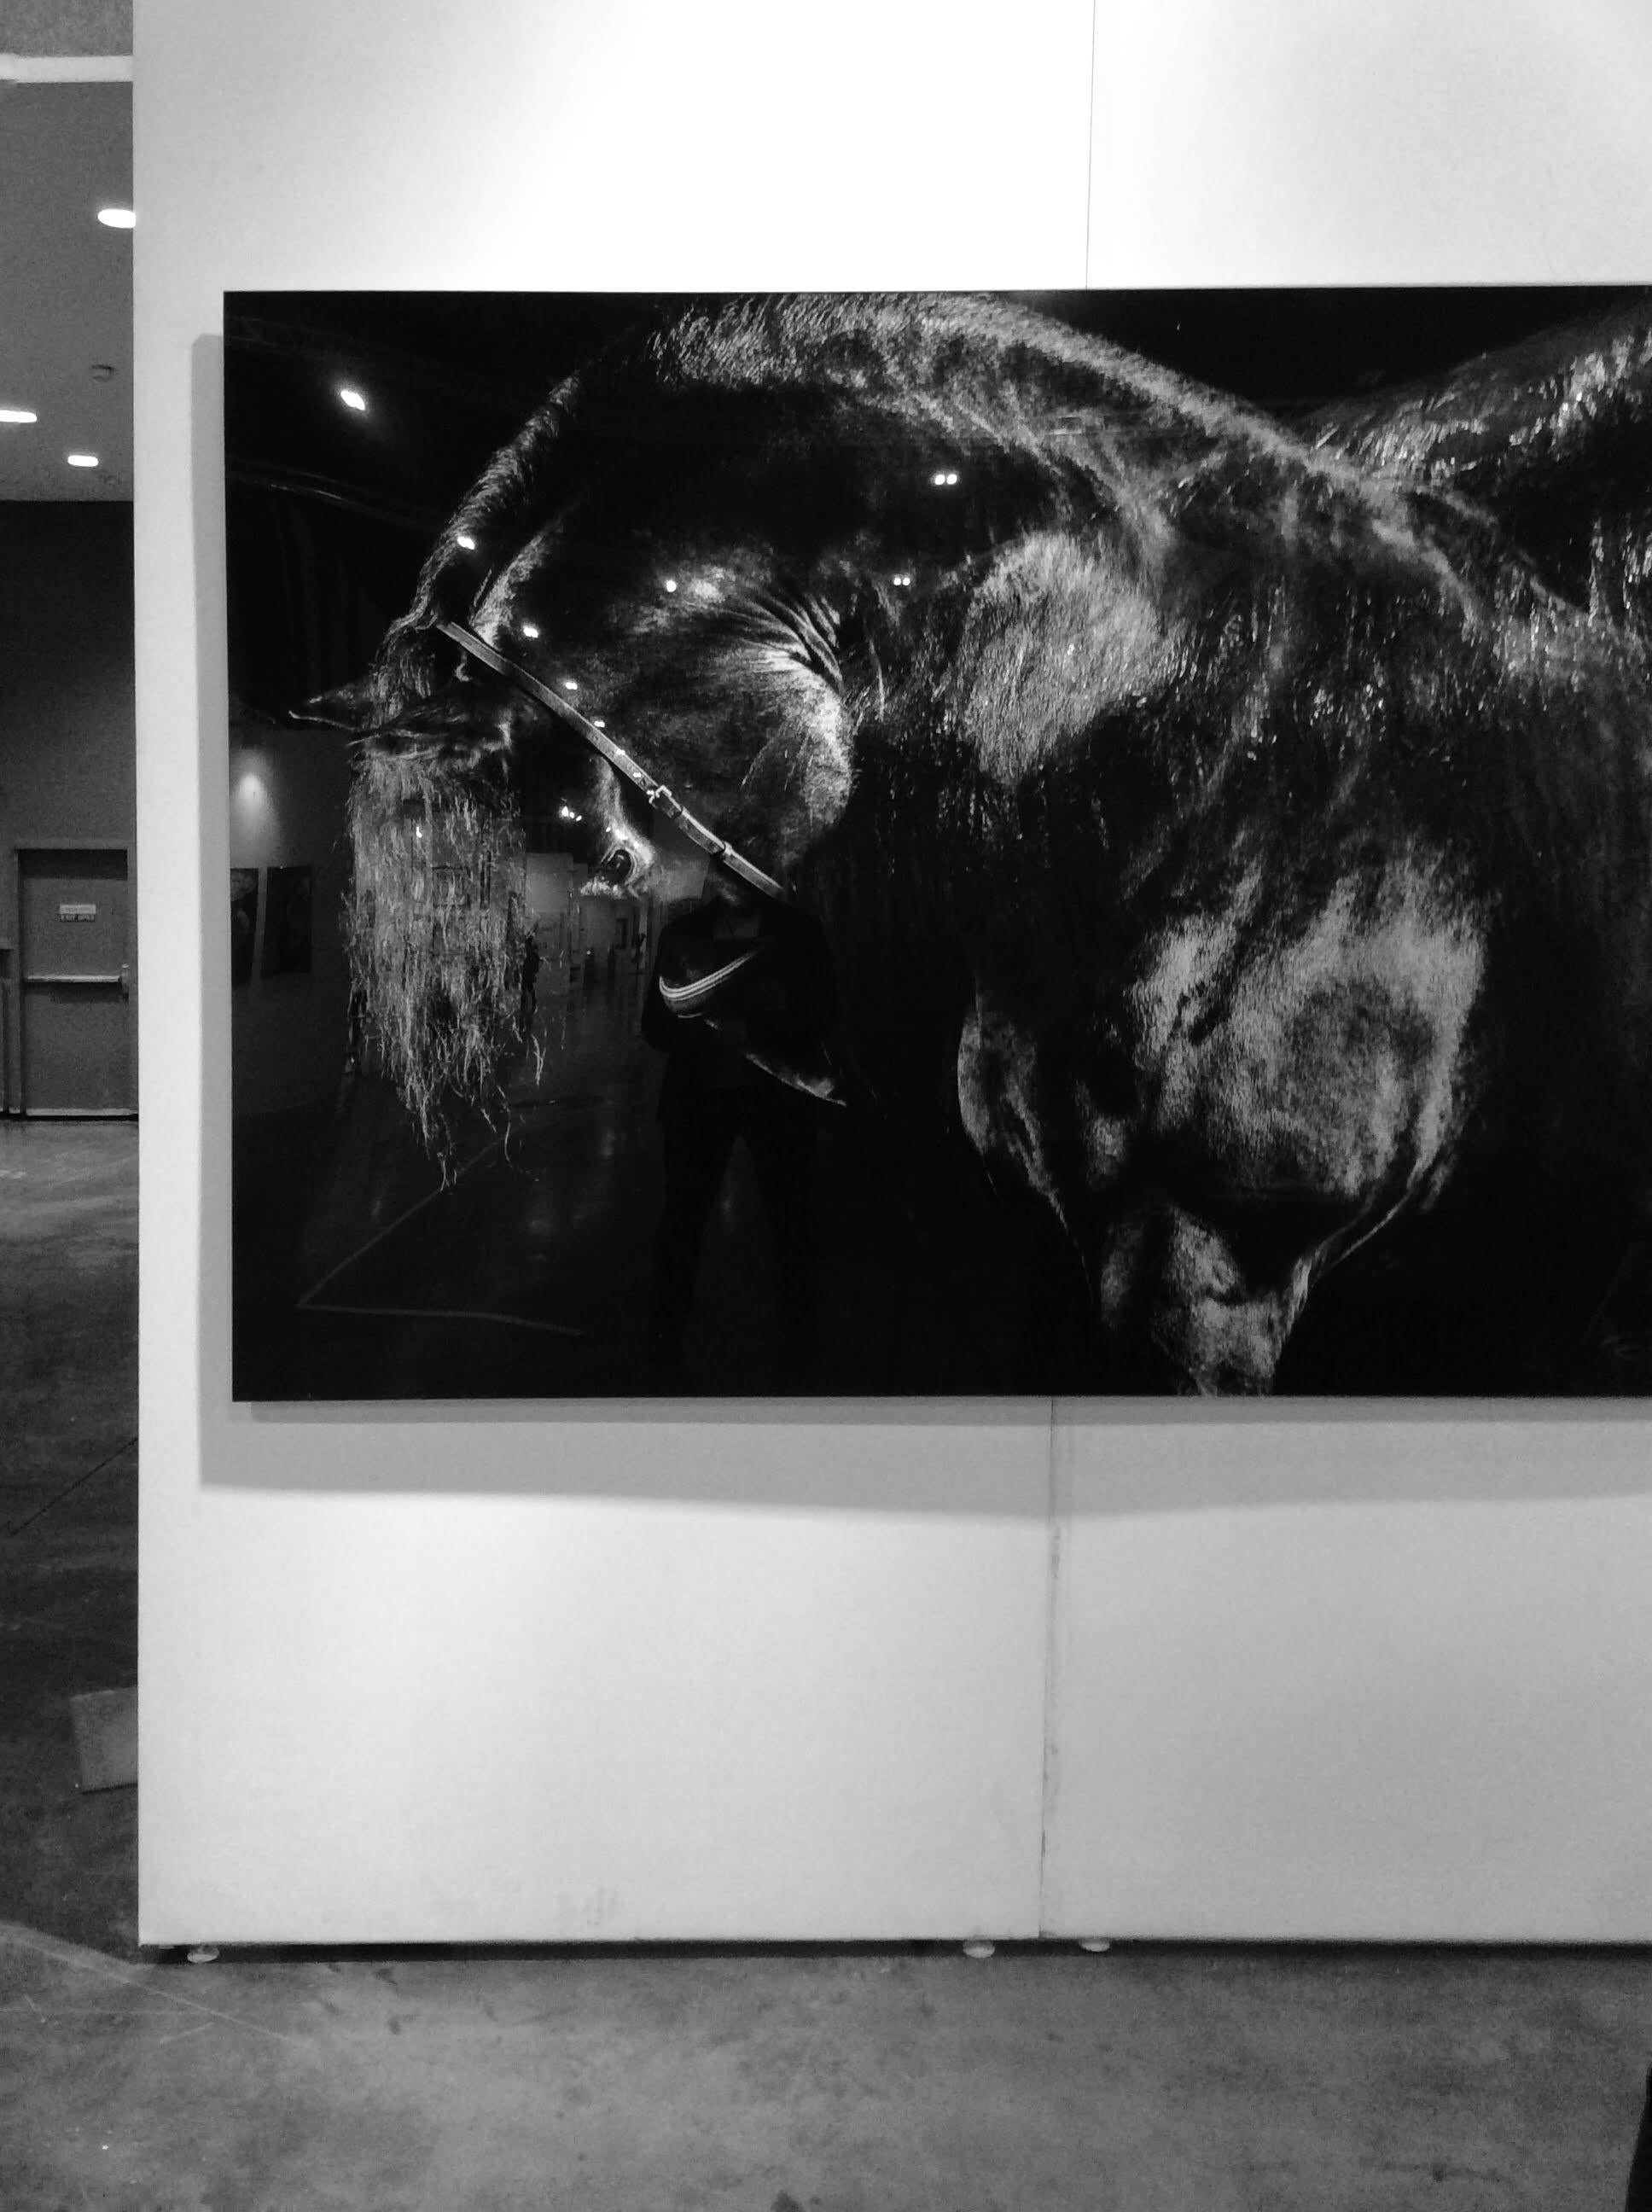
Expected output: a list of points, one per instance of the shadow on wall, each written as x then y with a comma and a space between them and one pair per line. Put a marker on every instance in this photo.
289, 990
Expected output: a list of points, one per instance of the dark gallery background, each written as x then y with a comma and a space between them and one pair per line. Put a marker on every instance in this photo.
358, 1273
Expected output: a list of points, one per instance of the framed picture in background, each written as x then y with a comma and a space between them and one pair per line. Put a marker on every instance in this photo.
286, 921
243, 922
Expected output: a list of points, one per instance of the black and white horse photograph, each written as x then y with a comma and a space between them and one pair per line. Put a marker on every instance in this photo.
950, 845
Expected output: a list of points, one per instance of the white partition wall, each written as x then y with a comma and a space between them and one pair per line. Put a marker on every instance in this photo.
495, 1675
1330, 141
1369, 1676
546, 1672
1370, 1671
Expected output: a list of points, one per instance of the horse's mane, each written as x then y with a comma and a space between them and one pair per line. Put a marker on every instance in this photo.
1060, 405
1553, 437
1291, 701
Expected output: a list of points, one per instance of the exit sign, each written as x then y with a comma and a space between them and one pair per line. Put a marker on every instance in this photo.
70, 911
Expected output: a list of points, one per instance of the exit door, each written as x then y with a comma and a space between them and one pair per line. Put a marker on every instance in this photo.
75, 1001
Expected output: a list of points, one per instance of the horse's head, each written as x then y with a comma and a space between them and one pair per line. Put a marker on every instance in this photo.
727, 544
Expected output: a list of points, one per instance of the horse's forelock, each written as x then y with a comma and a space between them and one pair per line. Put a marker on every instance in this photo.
489, 527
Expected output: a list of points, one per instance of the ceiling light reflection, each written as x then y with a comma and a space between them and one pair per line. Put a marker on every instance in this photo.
82, 460
352, 397
116, 218
18, 415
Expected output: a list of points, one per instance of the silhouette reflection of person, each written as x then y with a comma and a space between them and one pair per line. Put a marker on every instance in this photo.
741, 1001
1639, 2198
530, 1000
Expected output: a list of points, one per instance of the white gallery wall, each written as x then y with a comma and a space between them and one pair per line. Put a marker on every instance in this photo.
1353, 1671
541, 1672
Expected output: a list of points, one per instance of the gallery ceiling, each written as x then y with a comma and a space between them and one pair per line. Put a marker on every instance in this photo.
66, 282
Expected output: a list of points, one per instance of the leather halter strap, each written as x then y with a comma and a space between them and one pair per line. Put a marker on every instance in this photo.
657, 795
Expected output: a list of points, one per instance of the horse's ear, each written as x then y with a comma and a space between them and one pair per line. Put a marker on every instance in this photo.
350, 706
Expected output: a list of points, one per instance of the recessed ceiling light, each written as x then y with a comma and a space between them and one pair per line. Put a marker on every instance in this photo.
116, 218
82, 460
18, 415
352, 397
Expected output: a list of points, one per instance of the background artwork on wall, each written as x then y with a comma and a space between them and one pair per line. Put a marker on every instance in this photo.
286, 921
243, 922
1086, 843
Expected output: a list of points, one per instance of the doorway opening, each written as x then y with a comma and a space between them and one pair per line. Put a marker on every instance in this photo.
75, 982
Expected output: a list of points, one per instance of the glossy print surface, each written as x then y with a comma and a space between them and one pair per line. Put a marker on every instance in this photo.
1234, 824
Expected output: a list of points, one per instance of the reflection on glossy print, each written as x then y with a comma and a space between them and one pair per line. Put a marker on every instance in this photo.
949, 844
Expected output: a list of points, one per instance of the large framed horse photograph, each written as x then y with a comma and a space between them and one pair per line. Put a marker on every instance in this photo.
1084, 843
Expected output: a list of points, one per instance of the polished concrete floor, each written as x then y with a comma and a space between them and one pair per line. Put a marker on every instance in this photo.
1149, 2079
